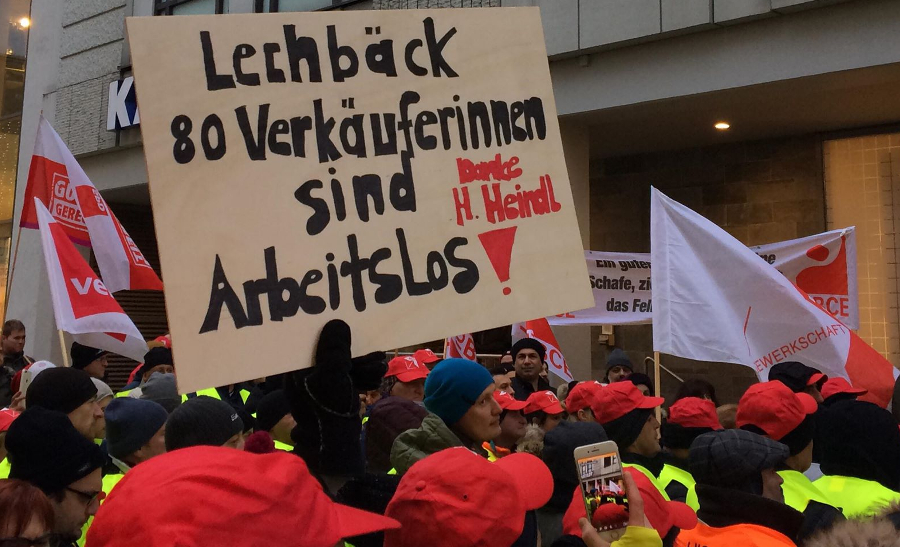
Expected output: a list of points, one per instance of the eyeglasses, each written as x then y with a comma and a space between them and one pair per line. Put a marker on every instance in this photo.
43, 541
89, 497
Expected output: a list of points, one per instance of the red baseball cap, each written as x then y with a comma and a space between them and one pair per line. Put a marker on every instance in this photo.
453, 495
508, 402
694, 412
543, 400
833, 386
774, 408
7, 416
662, 514
426, 356
581, 395
406, 368
207, 495
618, 399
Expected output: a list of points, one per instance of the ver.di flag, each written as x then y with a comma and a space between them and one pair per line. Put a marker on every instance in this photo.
539, 329
57, 180
462, 346
82, 305
715, 300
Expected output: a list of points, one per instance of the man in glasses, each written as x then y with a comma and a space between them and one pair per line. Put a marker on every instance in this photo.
46, 450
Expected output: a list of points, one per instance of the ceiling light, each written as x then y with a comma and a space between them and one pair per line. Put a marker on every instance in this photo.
24, 22
722, 126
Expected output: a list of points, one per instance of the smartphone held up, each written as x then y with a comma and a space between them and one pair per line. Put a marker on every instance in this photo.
599, 470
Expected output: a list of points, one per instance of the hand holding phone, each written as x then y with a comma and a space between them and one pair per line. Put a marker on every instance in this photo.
606, 502
636, 516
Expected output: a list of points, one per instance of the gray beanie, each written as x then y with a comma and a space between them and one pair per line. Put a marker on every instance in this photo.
202, 421
131, 423
618, 358
161, 388
103, 390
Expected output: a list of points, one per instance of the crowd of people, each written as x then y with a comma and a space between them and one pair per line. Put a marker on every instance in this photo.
418, 450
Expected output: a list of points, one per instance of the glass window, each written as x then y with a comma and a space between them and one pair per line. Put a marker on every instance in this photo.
294, 5
14, 14
302, 5
190, 7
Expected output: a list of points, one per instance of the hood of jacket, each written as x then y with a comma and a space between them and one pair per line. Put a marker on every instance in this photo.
389, 418
413, 445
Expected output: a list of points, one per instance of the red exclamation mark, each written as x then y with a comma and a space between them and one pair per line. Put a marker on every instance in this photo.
498, 246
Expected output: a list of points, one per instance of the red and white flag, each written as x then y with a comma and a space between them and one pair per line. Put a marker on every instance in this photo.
462, 346
82, 305
539, 329
715, 300
57, 181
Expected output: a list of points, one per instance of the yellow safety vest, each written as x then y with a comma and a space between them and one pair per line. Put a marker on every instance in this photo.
124, 393
671, 473
214, 393
798, 490
650, 476
282, 446
109, 481
856, 497
4, 468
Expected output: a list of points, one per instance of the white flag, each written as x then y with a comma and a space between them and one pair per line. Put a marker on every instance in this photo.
82, 304
59, 183
715, 300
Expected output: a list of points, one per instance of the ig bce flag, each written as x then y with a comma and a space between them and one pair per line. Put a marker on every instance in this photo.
714, 299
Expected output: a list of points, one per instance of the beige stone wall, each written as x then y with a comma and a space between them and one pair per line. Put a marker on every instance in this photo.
760, 192
862, 189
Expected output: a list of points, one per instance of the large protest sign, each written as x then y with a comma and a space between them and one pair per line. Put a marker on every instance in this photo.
823, 265
400, 170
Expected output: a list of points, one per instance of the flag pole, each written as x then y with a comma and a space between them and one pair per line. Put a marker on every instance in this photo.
656, 385
62, 346
12, 271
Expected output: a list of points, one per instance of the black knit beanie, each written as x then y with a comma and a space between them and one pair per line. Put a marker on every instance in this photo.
679, 437
202, 421
528, 343
626, 429
62, 389
46, 450
271, 409
155, 357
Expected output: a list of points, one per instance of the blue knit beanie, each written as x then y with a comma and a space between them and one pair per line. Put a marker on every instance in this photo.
131, 423
453, 386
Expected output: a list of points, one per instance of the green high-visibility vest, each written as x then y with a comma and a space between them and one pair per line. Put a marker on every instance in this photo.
124, 393
650, 476
671, 473
798, 490
856, 497
109, 482
4, 468
282, 446
214, 393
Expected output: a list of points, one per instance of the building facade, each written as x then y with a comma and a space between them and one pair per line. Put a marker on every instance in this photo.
807, 87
